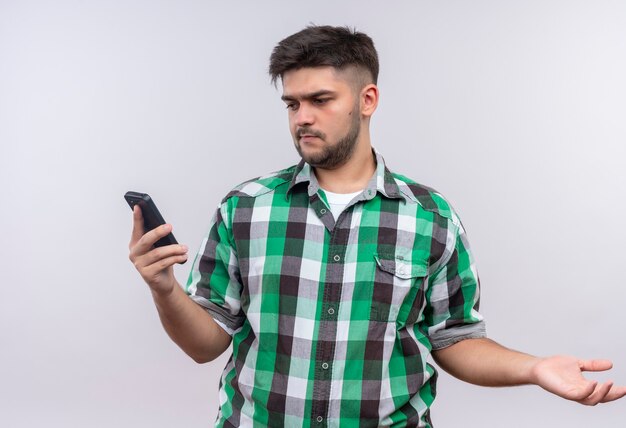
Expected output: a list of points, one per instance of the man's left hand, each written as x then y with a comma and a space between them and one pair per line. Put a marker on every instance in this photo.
562, 375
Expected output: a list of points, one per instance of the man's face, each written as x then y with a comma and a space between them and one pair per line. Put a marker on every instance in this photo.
324, 115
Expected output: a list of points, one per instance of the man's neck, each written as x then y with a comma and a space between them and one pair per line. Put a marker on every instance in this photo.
351, 176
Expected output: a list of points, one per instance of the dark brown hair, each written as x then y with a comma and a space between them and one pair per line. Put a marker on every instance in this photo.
318, 46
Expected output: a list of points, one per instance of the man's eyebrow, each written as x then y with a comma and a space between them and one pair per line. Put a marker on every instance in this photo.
308, 96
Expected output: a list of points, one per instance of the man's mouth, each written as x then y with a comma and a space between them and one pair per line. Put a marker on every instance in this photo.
307, 134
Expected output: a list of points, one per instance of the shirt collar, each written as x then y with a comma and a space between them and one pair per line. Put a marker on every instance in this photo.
381, 182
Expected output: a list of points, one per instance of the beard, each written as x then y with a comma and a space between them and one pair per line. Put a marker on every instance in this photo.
331, 155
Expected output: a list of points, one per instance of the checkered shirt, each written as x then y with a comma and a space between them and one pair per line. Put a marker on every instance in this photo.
332, 320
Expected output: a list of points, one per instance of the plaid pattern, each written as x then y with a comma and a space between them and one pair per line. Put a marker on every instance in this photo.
333, 320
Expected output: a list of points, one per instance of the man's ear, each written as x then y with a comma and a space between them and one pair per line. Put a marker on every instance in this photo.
369, 99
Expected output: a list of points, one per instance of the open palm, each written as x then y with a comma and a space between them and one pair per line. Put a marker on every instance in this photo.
562, 375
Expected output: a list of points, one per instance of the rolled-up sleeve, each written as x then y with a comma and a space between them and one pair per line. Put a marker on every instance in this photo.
214, 281
453, 294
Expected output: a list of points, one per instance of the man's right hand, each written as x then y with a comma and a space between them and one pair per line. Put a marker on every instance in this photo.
154, 264
189, 325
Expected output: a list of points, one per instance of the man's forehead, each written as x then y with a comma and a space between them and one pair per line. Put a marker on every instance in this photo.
308, 80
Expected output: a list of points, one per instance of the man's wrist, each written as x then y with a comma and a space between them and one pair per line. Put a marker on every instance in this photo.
165, 295
530, 370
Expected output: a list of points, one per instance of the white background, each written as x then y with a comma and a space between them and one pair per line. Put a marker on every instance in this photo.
513, 110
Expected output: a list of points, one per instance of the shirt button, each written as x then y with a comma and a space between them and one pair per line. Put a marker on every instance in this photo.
337, 257
325, 366
323, 211
320, 419
331, 311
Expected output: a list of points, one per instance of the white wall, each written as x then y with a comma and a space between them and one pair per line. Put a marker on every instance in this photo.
514, 110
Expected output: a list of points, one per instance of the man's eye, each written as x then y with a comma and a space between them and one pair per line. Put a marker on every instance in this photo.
292, 106
320, 101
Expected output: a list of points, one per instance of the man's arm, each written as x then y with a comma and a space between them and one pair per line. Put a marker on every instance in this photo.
187, 324
486, 363
190, 326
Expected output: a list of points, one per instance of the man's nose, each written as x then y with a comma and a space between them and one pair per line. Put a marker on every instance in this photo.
304, 115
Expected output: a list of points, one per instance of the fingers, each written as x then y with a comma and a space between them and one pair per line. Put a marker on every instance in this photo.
155, 266
152, 270
157, 258
598, 395
615, 393
138, 231
162, 253
595, 365
143, 244
143, 254
146, 239
604, 393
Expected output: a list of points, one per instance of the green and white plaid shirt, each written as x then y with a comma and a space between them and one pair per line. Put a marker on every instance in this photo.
333, 320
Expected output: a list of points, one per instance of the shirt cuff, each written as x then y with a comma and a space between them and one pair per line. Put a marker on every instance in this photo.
448, 337
222, 317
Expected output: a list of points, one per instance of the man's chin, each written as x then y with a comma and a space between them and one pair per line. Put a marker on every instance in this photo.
310, 155
317, 158
321, 162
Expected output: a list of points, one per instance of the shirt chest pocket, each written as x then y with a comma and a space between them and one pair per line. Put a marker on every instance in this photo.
398, 288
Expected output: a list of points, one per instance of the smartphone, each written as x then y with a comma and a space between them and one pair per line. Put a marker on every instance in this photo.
151, 216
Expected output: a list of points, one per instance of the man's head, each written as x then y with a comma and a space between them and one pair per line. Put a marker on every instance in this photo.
319, 46
329, 79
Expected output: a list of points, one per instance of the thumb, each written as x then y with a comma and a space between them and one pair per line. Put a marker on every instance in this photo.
138, 230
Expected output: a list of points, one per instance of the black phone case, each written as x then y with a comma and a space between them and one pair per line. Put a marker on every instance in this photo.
151, 216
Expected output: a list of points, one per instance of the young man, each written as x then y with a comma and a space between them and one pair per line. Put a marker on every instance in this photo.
335, 279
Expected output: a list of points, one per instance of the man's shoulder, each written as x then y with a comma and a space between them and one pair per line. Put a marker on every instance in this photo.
429, 198
261, 185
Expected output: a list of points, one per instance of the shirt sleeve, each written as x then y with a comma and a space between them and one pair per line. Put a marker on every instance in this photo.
214, 281
453, 293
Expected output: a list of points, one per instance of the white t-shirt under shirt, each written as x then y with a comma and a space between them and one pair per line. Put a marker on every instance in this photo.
339, 201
